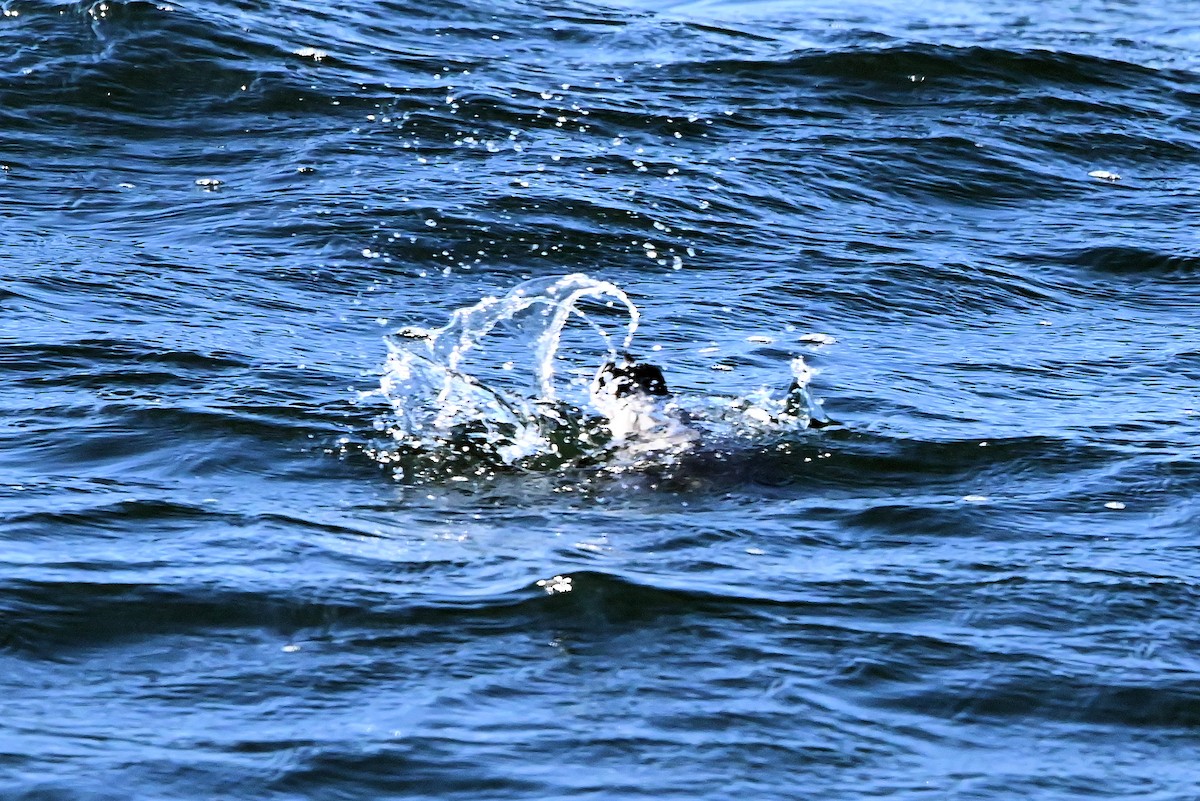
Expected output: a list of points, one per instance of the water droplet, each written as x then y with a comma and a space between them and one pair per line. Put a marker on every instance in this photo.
558, 584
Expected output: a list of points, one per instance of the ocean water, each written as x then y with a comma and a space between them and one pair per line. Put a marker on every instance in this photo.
975, 221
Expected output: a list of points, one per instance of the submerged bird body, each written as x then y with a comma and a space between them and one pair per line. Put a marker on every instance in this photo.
637, 406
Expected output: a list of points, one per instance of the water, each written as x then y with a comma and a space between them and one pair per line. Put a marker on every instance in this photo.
982, 583
458, 413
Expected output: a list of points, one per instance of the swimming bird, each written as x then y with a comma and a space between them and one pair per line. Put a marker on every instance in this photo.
641, 414
638, 409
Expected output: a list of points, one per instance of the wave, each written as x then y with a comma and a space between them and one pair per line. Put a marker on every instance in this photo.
112, 516
59, 616
1132, 262
1065, 697
925, 67
89, 355
116, 63
894, 660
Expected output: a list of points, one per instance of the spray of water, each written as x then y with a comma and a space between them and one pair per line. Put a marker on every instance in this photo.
493, 410
459, 407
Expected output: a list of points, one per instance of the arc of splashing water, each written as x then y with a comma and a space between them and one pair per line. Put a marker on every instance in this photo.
549, 340
562, 294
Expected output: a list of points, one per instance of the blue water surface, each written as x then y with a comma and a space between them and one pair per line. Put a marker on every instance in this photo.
982, 584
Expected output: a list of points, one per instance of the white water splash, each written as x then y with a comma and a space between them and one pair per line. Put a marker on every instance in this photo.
537, 309
440, 401
484, 389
